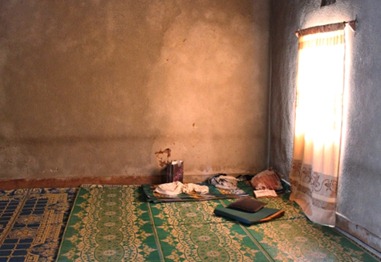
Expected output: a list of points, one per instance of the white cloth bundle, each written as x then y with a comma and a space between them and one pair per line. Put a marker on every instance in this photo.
175, 188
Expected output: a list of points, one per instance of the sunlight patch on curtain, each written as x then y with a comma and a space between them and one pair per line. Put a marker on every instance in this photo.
318, 121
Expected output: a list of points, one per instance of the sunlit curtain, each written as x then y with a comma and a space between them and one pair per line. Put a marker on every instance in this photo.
318, 120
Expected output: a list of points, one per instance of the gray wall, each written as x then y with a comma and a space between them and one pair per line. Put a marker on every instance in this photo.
95, 88
359, 196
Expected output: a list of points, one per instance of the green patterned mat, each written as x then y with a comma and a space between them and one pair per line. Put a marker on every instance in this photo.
113, 223
32, 222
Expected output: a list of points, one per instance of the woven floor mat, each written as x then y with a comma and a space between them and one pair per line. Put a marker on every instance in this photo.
113, 223
32, 222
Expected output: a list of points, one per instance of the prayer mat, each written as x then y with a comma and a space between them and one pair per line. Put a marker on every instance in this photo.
110, 223
243, 189
32, 221
302, 240
114, 223
292, 210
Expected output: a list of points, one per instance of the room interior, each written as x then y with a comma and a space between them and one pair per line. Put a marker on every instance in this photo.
91, 90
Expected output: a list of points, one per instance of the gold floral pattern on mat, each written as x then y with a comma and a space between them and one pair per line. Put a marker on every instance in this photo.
301, 240
111, 223
207, 242
107, 224
31, 223
23, 233
28, 219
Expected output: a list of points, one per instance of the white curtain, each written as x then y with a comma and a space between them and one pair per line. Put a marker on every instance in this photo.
318, 121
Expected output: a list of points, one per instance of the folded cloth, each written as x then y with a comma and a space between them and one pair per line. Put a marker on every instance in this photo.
191, 187
170, 189
263, 215
224, 181
175, 188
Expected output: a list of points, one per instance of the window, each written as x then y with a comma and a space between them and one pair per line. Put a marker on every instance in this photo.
318, 121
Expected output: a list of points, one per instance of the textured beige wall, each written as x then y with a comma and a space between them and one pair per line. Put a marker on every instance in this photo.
95, 88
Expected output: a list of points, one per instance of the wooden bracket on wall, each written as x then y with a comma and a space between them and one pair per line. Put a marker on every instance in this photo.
326, 28
327, 2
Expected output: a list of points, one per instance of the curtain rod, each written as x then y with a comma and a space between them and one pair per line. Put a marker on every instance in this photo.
326, 28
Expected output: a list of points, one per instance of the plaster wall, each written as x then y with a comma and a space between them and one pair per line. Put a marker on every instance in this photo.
95, 88
359, 190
